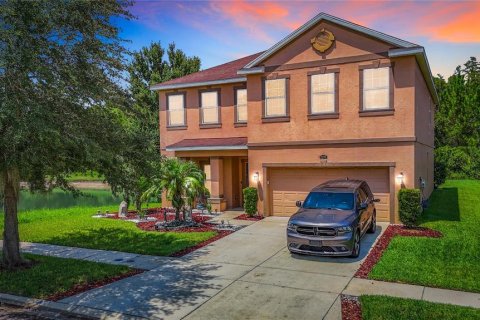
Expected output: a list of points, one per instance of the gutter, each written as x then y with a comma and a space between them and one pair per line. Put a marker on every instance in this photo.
196, 84
212, 148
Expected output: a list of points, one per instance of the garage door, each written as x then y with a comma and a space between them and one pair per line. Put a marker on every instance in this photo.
287, 185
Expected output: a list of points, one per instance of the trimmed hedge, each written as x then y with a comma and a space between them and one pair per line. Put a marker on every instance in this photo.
409, 206
250, 199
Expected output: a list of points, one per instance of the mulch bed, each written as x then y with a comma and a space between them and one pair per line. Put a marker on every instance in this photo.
221, 234
249, 218
382, 244
92, 285
351, 309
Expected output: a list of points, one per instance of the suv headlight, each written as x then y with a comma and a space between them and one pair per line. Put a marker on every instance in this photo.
291, 227
344, 229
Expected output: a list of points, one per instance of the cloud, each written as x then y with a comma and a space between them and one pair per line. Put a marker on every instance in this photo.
266, 21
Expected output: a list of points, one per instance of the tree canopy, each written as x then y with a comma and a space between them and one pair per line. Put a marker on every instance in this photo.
60, 67
140, 156
457, 124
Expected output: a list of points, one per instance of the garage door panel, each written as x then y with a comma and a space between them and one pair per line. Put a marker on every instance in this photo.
289, 185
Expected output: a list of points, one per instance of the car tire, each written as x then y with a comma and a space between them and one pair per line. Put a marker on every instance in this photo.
373, 224
356, 245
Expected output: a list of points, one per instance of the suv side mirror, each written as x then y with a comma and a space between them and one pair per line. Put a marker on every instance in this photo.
376, 200
298, 203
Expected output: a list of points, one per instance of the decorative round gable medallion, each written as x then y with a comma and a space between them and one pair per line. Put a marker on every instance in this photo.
322, 41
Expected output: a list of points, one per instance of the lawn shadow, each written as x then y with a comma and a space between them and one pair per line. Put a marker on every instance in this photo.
174, 289
443, 206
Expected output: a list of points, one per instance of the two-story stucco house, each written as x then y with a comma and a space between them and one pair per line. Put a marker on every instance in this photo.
331, 100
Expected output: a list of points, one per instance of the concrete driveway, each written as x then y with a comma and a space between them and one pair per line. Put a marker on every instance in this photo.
247, 275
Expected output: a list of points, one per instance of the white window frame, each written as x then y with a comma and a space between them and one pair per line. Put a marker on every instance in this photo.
202, 107
386, 87
169, 110
237, 105
314, 92
284, 97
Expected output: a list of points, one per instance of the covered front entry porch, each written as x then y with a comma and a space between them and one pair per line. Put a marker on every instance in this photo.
225, 163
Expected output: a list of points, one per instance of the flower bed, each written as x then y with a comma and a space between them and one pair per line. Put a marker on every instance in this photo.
89, 286
247, 217
382, 244
351, 309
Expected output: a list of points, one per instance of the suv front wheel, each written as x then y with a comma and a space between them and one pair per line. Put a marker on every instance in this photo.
373, 224
356, 245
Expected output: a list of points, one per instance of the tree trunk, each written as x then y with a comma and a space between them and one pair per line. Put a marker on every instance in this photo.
11, 257
138, 204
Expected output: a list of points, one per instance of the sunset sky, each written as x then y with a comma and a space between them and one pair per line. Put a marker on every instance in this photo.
220, 31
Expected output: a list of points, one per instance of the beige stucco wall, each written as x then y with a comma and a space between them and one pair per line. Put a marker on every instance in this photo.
193, 131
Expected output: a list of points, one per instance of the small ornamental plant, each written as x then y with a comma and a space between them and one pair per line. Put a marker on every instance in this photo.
250, 199
409, 206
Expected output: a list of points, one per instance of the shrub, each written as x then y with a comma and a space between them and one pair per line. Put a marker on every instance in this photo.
409, 206
250, 199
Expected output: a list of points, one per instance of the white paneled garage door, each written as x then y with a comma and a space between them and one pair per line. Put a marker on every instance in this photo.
287, 185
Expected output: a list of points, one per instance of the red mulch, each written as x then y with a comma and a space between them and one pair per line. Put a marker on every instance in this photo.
382, 244
221, 234
247, 217
79, 288
351, 309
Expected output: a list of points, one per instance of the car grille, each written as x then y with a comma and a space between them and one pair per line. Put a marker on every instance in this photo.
317, 231
316, 249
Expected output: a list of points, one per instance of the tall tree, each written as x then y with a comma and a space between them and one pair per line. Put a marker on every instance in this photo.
457, 124
59, 62
141, 150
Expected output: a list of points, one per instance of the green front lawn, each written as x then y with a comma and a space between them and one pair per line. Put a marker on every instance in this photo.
451, 262
75, 227
390, 308
52, 275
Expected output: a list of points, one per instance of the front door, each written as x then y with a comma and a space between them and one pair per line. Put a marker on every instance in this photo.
244, 178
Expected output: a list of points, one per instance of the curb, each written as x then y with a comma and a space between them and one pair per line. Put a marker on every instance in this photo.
63, 308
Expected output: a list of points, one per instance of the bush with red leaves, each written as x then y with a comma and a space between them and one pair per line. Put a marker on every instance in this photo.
351, 309
250, 218
383, 242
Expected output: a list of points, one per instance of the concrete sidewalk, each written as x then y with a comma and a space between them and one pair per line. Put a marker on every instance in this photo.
132, 260
358, 287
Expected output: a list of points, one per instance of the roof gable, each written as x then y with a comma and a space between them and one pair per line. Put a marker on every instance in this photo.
326, 17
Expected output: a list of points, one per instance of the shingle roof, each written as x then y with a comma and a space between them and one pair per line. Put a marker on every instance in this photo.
210, 144
221, 72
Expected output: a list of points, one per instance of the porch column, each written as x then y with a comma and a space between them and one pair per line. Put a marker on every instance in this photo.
216, 184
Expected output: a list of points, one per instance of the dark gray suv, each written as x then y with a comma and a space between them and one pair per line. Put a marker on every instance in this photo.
332, 219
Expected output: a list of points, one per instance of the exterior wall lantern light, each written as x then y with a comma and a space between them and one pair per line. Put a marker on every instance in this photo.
401, 179
255, 176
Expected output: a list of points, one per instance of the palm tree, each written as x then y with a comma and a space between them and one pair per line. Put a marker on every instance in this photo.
178, 178
194, 189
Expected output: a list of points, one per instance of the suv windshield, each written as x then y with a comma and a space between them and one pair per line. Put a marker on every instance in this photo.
329, 200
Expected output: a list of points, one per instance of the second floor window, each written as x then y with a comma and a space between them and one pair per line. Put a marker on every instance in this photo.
241, 105
209, 104
176, 110
322, 91
376, 89
275, 98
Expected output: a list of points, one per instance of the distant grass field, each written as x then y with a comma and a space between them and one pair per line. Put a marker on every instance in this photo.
390, 308
60, 199
87, 176
452, 261
55, 275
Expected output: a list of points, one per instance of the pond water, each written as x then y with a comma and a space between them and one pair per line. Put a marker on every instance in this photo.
60, 199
